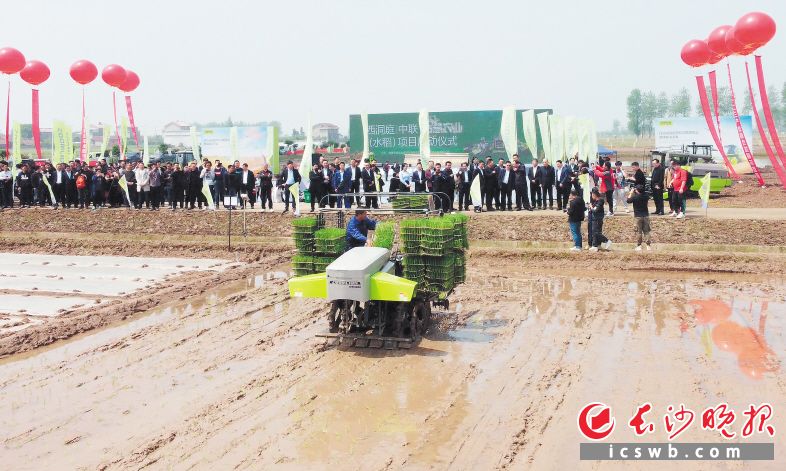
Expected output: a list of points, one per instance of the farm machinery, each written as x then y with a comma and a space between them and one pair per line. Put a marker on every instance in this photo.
380, 296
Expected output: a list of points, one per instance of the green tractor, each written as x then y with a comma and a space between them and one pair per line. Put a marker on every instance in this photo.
372, 303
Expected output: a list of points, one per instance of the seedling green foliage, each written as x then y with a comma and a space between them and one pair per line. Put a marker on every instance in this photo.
383, 235
303, 230
331, 241
410, 201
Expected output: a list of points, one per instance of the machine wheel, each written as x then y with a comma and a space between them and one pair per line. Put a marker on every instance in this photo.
419, 319
400, 319
345, 316
334, 318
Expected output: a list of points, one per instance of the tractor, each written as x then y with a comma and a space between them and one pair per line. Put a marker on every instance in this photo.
371, 304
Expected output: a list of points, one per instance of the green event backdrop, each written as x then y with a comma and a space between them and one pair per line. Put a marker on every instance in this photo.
475, 133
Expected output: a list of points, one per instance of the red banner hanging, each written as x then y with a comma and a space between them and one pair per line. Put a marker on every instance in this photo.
82, 140
705, 107
36, 125
765, 105
741, 134
775, 164
130, 110
715, 102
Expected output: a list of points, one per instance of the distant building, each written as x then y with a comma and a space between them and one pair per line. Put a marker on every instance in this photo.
177, 133
325, 132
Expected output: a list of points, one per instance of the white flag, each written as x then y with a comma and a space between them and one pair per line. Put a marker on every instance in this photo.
364, 122
425, 136
305, 163
508, 132
530, 132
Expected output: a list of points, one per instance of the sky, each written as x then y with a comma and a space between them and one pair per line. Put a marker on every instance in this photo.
288, 60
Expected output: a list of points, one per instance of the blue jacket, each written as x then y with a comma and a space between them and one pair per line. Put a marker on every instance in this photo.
357, 231
342, 187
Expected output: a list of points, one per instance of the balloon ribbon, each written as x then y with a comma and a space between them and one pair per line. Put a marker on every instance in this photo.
705, 106
740, 133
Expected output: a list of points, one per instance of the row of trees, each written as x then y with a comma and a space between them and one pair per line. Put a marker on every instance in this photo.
643, 107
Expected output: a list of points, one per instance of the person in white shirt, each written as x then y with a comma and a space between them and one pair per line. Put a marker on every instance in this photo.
143, 185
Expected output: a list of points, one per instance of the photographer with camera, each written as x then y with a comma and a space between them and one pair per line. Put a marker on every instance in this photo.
641, 214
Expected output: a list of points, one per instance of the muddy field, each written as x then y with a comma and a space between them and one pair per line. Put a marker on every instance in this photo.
234, 378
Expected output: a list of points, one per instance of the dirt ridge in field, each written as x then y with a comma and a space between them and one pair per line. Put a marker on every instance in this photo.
552, 227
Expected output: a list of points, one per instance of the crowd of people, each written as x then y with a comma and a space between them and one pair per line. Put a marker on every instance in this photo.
135, 185
504, 184
507, 184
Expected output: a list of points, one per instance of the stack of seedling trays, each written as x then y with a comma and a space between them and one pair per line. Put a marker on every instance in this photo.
411, 201
460, 244
383, 235
430, 258
303, 234
303, 230
329, 244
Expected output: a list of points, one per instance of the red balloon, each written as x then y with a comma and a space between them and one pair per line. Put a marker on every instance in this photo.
83, 71
130, 83
755, 28
11, 60
736, 47
114, 75
35, 72
717, 41
695, 53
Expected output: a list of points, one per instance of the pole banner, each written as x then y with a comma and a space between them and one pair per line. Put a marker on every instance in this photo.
36, 124
82, 142
107, 132
130, 111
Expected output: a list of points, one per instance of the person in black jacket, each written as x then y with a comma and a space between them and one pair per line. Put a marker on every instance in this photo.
595, 223
368, 176
507, 180
491, 184
575, 210
533, 175
289, 177
464, 179
641, 213
24, 181
656, 183
315, 186
439, 188
354, 171
247, 183
266, 188
193, 186
131, 185
547, 179
522, 200
563, 183
419, 178
233, 183
450, 184
178, 187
